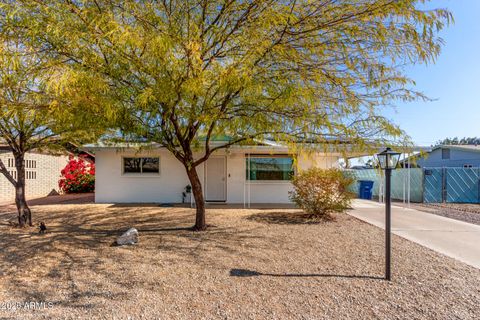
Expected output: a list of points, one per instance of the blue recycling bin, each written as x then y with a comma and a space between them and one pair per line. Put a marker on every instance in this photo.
365, 189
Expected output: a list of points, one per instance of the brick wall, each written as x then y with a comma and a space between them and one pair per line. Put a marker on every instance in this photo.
42, 173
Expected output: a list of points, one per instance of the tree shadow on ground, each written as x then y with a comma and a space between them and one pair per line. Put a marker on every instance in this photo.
9, 210
80, 238
252, 273
94, 228
145, 205
76, 198
287, 217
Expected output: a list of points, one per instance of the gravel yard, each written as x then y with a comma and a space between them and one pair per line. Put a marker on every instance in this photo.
251, 264
468, 212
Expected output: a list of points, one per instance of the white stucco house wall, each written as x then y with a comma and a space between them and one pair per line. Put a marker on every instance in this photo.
237, 175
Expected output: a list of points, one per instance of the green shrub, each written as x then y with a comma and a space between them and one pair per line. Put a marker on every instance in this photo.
321, 192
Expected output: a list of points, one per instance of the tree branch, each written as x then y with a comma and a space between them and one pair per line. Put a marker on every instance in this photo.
7, 174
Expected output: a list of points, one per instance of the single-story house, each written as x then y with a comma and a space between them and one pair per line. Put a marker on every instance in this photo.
449, 156
240, 174
42, 172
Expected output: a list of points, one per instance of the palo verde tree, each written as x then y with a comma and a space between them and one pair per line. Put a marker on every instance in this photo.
31, 119
22, 119
180, 72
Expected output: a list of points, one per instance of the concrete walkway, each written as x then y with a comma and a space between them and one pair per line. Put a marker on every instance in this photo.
456, 239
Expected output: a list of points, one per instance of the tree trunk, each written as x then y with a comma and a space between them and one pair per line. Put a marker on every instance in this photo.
24, 213
200, 224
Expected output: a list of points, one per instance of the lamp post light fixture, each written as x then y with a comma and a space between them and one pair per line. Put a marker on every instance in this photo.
388, 160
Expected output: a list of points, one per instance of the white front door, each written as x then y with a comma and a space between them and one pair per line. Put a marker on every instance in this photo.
215, 184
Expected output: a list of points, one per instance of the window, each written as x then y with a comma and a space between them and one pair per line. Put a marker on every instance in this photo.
30, 164
13, 174
30, 175
468, 166
141, 165
445, 154
267, 167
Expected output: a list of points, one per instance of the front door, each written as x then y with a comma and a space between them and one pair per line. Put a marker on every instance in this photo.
215, 184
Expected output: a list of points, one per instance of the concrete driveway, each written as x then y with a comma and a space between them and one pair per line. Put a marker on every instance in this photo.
456, 239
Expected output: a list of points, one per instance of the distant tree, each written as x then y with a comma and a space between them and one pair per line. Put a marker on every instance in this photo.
180, 72
456, 141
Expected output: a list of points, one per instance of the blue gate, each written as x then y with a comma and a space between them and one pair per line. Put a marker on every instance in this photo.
433, 185
462, 185
454, 185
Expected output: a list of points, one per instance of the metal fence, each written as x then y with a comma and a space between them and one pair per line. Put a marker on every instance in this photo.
453, 185
407, 184
429, 185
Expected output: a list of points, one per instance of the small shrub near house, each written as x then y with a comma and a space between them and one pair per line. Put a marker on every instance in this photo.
321, 192
78, 176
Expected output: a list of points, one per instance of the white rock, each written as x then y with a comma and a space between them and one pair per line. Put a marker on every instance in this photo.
128, 238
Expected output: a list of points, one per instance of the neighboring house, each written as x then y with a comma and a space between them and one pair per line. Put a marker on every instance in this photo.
240, 174
42, 172
460, 156
74, 150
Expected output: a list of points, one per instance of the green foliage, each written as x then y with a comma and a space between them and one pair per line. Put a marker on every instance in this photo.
34, 112
321, 192
173, 71
33, 117
24, 115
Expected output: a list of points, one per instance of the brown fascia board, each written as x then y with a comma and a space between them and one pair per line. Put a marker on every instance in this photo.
5, 147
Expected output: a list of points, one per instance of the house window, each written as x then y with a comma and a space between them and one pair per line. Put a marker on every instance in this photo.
445, 154
13, 174
30, 164
270, 168
141, 165
30, 175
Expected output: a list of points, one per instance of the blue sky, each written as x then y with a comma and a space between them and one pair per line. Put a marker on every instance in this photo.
454, 81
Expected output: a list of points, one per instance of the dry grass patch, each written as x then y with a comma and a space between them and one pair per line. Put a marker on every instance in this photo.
252, 264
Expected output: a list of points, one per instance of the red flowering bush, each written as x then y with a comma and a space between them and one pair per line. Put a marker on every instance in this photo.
78, 176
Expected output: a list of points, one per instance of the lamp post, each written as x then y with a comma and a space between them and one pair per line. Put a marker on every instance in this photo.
388, 160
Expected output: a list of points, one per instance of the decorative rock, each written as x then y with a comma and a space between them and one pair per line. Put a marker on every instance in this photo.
129, 237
